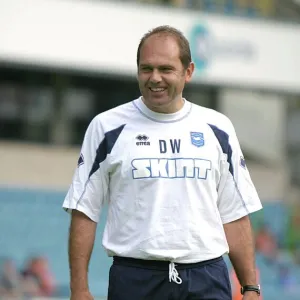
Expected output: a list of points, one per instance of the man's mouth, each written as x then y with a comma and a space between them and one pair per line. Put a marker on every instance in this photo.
157, 89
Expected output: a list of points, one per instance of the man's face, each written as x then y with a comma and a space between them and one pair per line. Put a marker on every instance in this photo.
161, 75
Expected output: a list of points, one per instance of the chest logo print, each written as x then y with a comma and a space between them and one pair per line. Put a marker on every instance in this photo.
197, 139
142, 140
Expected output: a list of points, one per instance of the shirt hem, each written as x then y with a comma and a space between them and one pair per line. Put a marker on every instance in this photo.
178, 260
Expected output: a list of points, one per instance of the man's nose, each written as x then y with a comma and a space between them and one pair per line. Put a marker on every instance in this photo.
155, 76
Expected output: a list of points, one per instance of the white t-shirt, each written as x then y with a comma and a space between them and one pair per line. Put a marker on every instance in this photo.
171, 181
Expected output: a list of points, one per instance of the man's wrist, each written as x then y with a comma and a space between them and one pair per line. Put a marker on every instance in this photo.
79, 289
251, 292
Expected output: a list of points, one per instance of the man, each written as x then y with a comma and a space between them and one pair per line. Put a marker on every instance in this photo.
177, 188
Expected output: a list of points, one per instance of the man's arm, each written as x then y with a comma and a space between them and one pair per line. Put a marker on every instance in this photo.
85, 198
237, 199
81, 243
241, 250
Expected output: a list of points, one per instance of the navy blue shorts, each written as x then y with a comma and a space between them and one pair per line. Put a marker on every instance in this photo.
134, 279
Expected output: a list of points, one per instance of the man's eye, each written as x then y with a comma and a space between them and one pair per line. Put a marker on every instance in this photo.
166, 69
146, 69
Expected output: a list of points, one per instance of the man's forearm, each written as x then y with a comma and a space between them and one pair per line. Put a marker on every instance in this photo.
241, 250
81, 242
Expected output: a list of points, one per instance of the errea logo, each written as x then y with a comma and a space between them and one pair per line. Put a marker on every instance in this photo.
142, 140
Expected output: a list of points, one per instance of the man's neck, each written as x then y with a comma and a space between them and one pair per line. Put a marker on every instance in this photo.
170, 108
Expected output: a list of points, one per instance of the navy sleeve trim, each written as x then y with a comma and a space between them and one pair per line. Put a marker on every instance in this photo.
223, 139
106, 147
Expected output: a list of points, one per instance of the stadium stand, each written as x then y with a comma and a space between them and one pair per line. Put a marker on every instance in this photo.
42, 229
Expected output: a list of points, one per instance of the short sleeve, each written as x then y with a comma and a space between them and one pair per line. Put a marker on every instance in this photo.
237, 195
89, 187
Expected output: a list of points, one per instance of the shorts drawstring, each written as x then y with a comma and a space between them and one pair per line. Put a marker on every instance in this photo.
173, 274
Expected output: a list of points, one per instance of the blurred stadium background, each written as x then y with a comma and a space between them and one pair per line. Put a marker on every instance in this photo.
64, 61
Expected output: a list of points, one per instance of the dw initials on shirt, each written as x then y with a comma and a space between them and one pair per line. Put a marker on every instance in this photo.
170, 168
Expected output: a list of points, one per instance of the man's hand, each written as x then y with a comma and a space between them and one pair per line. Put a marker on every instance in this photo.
86, 295
251, 296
